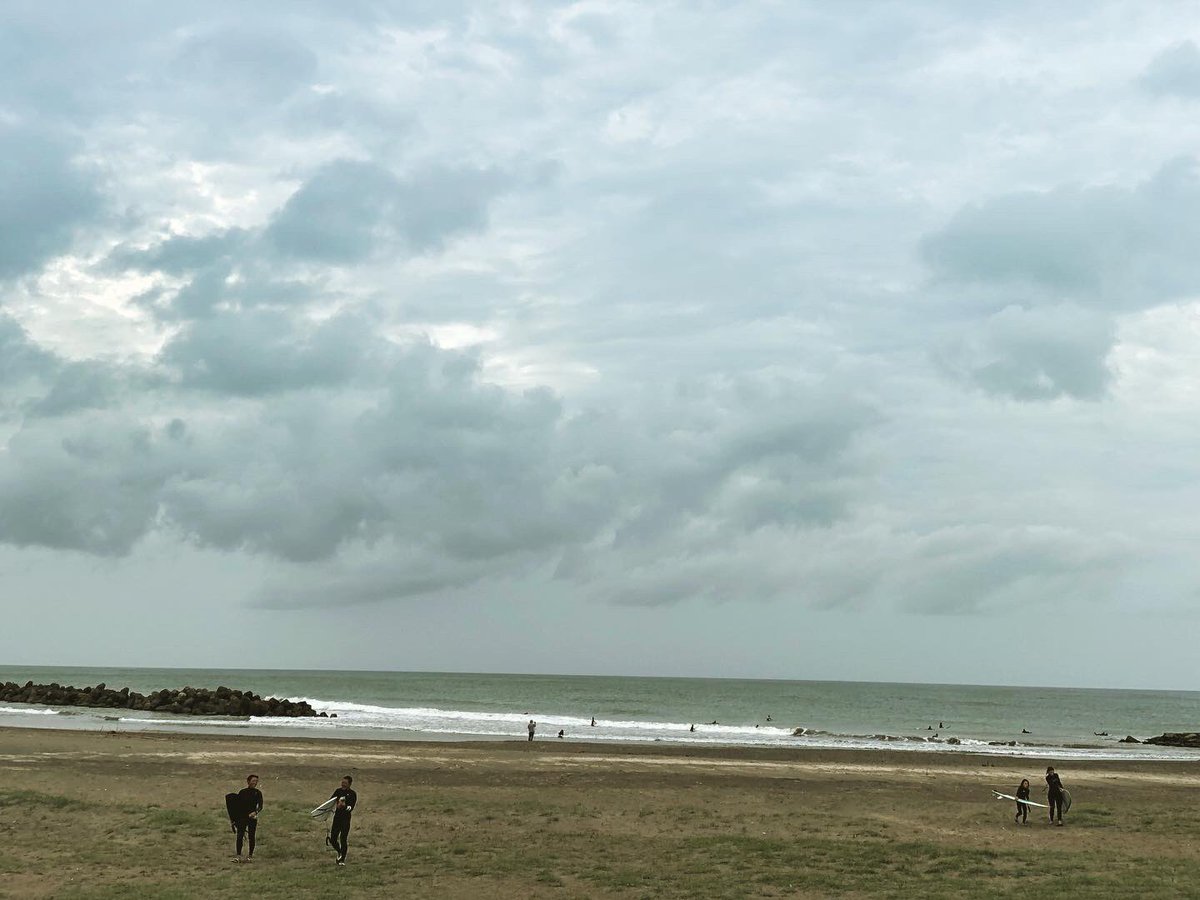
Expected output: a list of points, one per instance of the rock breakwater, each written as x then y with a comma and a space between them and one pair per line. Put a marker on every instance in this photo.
188, 701
1176, 739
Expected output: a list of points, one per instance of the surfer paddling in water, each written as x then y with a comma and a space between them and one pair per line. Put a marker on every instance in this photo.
249, 805
1022, 815
339, 833
1054, 791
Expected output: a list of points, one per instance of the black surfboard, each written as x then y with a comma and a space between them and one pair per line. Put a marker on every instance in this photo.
233, 805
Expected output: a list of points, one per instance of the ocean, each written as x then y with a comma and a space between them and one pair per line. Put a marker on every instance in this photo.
1059, 722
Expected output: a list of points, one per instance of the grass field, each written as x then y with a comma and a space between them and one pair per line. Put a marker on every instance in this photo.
102, 816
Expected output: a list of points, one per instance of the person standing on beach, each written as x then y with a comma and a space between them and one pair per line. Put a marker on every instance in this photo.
531, 728
250, 804
339, 833
1022, 815
1054, 790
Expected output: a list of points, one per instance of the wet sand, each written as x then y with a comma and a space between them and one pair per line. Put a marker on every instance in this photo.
103, 814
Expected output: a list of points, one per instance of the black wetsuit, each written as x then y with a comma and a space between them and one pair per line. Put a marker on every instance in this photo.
1022, 808
340, 832
251, 801
1055, 792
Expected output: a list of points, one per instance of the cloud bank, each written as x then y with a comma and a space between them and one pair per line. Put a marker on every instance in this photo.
402, 303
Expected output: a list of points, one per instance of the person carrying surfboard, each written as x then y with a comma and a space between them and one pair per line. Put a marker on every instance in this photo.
339, 833
1054, 790
248, 805
1022, 815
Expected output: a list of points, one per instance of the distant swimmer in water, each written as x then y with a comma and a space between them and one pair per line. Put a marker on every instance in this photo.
769, 718
1026, 731
593, 721
929, 728
693, 728
940, 726
560, 732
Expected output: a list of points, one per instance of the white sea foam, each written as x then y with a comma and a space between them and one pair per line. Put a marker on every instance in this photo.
26, 711
467, 724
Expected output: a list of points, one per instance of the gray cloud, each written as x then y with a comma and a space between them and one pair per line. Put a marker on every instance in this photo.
1036, 354
1106, 247
87, 483
21, 358
44, 198
244, 66
969, 568
253, 352
348, 210
1175, 71
443, 303
180, 254
1049, 270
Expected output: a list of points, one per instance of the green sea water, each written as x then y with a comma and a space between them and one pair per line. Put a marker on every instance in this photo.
440, 706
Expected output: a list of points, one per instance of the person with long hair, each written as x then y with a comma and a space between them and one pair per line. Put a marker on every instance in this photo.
1022, 815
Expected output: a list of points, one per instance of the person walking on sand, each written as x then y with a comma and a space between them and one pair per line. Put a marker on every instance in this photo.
339, 833
1054, 791
1022, 815
531, 728
250, 804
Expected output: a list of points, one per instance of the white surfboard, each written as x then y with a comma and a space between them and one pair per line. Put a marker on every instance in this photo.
324, 809
1000, 796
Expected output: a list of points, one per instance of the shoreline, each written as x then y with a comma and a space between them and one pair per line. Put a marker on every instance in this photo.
89, 719
890, 759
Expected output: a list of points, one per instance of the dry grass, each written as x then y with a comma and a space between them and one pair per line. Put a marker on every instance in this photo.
98, 816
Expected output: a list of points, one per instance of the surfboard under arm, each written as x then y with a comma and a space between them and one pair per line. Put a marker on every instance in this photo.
1000, 796
324, 809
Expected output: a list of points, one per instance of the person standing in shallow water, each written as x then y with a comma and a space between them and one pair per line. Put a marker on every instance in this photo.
531, 728
1054, 790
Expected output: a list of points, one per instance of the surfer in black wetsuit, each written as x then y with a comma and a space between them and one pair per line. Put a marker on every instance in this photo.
1022, 815
340, 832
1054, 791
250, 804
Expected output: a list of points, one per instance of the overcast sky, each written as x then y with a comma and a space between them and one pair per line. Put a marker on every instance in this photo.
808, 340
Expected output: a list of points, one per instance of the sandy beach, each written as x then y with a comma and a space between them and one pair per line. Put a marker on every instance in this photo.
100, 814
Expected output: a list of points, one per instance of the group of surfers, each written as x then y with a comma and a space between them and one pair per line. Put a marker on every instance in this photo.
1054, 797
246, 804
